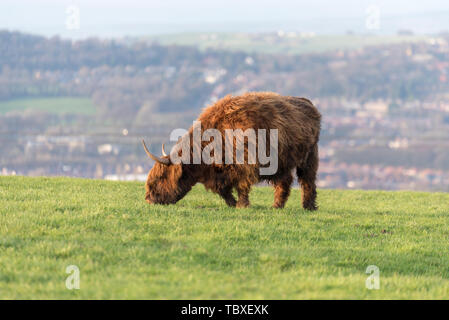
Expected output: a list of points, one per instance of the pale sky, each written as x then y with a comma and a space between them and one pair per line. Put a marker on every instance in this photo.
133, 17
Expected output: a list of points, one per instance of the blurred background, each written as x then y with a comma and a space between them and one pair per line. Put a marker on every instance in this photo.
81, 82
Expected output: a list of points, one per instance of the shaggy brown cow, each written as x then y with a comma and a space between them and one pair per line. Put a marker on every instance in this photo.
298, 123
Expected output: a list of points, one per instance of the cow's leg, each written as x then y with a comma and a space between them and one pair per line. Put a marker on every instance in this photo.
226, 194
307, 176
282, 190
243, 192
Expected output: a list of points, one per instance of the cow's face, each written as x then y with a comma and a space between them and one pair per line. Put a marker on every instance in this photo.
166, 184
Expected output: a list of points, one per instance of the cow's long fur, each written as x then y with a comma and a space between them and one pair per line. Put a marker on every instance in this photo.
298, 124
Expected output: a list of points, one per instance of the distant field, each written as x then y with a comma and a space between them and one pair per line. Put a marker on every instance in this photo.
266, 43
60, 105
199, 248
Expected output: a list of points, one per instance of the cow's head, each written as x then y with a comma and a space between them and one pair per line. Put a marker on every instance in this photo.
166, 182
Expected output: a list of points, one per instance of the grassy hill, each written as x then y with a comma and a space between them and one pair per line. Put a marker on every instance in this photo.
58, 105
271, 43
199, 248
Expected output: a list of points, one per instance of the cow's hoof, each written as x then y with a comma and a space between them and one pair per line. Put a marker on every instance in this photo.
311, 208
242, 204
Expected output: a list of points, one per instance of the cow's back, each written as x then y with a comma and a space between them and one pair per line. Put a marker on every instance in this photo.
296, 119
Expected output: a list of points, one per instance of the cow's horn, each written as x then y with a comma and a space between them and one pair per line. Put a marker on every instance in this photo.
153, 157
163, 151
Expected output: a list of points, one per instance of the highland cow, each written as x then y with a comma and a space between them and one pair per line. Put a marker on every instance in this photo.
297, 122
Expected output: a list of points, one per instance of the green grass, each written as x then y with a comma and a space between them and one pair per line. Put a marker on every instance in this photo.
59, 105
199, 248
271, 44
